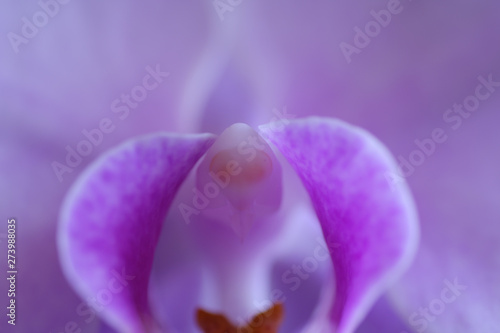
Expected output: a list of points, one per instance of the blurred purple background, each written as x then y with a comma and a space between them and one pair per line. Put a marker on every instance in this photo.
69, 73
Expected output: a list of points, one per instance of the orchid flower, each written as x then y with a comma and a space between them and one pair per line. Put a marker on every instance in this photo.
421, 76
112, 219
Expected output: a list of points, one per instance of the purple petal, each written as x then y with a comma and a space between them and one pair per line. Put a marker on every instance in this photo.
111, 220
369, 224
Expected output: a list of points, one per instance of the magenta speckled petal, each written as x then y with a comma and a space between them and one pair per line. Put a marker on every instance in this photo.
111, 221
369, 223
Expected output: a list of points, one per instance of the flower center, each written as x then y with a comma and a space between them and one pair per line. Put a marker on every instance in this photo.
241, 179
268, 322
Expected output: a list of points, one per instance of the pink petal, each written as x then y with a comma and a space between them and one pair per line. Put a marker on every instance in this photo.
369, 224
111, 220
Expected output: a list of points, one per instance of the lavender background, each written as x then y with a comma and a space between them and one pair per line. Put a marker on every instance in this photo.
262, 56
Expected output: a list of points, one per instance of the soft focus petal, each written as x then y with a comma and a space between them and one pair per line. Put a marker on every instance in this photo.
111, 220
370, 226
